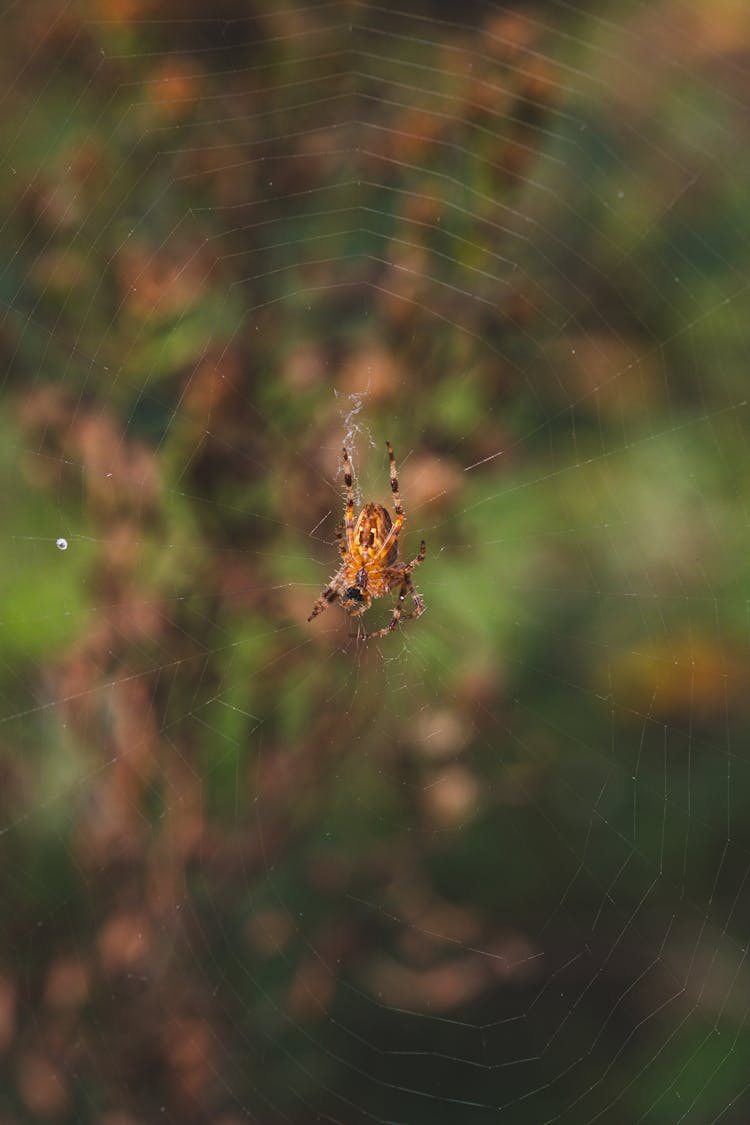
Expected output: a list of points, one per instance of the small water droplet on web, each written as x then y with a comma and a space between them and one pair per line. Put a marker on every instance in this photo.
61, 544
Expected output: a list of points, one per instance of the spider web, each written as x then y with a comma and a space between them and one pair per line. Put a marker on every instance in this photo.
493, 867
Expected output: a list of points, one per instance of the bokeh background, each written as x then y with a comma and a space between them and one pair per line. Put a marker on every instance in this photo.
494, 867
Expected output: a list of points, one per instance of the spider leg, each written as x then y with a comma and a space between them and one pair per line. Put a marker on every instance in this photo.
419, 606
397, 505
328, 596
418, 560
398, 614
349, 509
394, 482
340, 540
393, 534
407, 586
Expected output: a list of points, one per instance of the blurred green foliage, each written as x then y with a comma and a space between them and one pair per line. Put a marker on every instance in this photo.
494, 867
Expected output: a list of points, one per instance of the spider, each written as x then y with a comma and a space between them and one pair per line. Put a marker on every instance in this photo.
370, 566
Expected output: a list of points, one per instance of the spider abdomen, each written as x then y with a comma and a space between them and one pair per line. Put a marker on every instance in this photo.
371, 531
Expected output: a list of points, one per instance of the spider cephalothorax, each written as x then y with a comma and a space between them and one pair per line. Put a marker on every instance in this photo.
369, 553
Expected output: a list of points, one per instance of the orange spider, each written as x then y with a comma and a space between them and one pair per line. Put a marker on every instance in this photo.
370, 566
